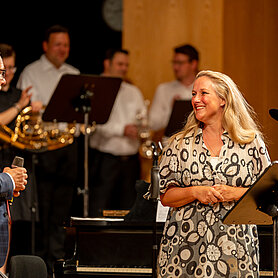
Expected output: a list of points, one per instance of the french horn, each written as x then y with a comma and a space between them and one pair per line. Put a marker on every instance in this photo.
32, 134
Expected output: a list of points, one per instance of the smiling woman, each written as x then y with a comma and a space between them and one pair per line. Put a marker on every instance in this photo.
208, 108
239, 118
207, 105
225, 155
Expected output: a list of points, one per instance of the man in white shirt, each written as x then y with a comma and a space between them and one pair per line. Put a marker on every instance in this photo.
44, 74
57, 170
185, 67
114, 145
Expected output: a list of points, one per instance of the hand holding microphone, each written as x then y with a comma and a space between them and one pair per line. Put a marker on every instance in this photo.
18, 173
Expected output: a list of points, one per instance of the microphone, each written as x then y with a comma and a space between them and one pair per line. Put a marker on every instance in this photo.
18, 162
154, 189
274, 114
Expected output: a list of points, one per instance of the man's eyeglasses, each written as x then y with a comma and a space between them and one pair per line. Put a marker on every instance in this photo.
2, 74
11, 69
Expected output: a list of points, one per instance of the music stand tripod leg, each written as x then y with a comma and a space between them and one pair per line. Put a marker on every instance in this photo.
154, 196
86, 163
84, 106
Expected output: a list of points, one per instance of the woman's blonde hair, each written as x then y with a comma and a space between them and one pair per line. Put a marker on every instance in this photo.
239, 118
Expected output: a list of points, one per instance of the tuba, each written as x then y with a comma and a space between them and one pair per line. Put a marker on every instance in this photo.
32, 134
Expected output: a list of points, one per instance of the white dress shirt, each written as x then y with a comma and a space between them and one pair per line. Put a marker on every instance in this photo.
44, 77
163, 101
109, 137
12, 180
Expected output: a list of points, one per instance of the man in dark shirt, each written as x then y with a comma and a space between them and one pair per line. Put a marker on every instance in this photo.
12, 100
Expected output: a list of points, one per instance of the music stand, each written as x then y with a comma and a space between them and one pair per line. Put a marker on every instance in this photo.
83, 99
180, 112
154, 196
259, 205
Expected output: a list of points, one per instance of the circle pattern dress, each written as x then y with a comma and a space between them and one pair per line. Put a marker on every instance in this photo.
195, 242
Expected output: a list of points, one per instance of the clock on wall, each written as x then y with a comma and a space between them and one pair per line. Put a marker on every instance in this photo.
112, 14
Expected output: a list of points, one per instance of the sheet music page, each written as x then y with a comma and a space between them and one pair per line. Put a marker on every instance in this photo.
161, 213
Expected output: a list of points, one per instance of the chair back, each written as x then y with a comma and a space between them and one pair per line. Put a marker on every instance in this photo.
27, 266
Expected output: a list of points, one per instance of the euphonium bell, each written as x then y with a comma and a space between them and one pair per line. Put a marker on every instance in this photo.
31, 133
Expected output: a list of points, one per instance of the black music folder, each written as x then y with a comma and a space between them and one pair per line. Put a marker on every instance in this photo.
62, 105
254, 206
180, 112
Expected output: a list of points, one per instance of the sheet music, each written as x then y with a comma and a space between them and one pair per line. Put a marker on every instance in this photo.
161, 213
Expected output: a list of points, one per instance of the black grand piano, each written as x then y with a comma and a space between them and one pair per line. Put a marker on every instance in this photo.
105, 248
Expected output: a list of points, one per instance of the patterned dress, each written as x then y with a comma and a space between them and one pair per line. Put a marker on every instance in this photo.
195, 242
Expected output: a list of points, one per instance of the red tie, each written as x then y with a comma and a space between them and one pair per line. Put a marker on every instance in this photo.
8, 211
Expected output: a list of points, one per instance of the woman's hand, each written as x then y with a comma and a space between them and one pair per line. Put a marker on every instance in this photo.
179, 196
230, 193
207, 194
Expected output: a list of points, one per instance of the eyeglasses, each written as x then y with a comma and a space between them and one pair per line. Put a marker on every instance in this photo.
11, 69
2, 74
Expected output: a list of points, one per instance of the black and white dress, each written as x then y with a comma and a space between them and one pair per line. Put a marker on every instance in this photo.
195, 242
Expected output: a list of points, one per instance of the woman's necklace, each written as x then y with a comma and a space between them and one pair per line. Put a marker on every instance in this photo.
212, 150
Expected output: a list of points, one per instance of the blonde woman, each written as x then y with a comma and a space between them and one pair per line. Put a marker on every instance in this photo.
204, 170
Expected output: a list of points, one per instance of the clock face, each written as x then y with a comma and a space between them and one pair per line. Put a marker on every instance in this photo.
112, 14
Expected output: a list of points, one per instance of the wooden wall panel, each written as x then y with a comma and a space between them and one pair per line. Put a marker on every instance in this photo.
270, 74
151, 29
251, 57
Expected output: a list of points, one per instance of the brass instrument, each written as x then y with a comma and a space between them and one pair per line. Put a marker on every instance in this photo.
144, 132
31, 133
145, 136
